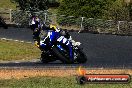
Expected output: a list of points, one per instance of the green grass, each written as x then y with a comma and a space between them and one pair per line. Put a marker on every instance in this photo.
54, 82
10, 50
6, 4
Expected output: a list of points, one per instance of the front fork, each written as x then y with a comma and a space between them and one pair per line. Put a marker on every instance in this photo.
76, 52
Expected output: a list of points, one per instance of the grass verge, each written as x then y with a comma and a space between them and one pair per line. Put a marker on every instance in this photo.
55, 82
6, 4
10, 50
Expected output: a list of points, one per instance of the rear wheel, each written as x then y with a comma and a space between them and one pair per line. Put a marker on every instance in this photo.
63, 57
45, 58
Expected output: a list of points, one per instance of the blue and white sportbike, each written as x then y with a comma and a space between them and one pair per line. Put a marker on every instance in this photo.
56, 46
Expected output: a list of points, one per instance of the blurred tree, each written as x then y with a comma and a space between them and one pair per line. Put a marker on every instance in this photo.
35, 5
106, 9
130, 10
87, 8
118, 10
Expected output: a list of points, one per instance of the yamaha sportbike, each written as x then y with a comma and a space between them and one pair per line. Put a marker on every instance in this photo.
57, 47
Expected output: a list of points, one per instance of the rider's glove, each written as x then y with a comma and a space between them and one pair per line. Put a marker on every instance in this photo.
36, 44
74, 42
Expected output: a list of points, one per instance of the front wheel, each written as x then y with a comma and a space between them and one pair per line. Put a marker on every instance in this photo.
81, 57
61, 56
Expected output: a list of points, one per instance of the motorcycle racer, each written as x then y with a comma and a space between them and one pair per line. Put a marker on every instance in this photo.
35, 27
41, 31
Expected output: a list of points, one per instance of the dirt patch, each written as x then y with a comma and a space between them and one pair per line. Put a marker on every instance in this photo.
9, 74
18, 74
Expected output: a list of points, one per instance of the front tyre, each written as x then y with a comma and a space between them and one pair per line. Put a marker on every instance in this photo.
61, 56
81, 57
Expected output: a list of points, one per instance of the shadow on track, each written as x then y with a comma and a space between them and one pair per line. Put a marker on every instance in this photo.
58, 64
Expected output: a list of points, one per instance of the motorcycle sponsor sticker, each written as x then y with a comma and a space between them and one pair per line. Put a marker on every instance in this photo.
101, 78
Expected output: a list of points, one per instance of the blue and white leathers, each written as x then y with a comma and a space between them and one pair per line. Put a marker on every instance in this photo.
54, 37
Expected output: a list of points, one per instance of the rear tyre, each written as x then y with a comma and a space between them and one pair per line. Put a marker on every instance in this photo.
61, 56
45, 58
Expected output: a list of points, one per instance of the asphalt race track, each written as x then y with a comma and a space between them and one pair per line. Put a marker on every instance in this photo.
103, 51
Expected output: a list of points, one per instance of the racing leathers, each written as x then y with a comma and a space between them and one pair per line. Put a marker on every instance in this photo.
36, 28
40, 31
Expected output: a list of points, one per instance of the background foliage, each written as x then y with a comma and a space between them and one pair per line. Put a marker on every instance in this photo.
103, 9
35, 5
105, 14
106, 9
